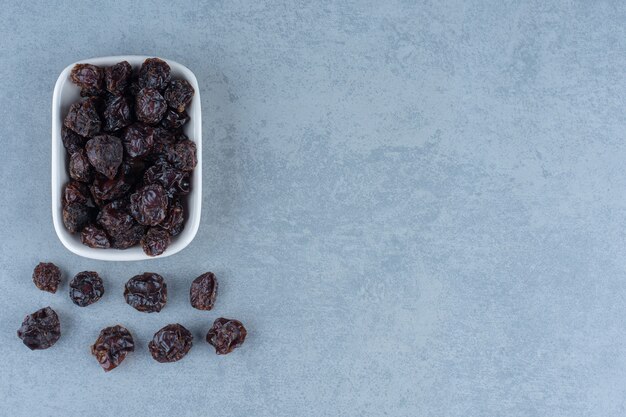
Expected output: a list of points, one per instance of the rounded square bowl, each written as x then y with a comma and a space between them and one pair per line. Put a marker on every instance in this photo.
66, 93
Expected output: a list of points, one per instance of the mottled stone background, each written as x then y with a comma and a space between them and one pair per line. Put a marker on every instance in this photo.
417, 209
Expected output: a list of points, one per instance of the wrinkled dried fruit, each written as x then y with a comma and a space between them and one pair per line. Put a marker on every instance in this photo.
76, 192
86, 288
126, 140
154, 73
41, 329
179, 95
80, 168
175, 220
203, 291
173, 120
146, 292
105, 153
149, 205
171, 343
174, 181
47, 277
112, 346
94, 237
72, 141
89, 78
155, 241
104, 188
182, 155
150, 106
76, 216
83, 118
117, 113
127, 238
226, 335
115, 217
138, 140
117, 77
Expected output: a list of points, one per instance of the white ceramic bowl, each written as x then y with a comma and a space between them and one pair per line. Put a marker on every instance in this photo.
66, 93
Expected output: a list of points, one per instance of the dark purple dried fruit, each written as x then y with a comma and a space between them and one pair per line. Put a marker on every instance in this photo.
174, 181
146, 292
174, 222
117, 77
145, 113
226, 335
179, 95
86, 288
171, 343
112, 346
138, 140
76, 192
154, 73
105, 153
89, 78
150, 106
115, 217
72, 141
47, 277
117, 113
94, 237
80, 168
148, 205
203, 291
155, 241
182, 155
83, 118
173, 120
127, 238
104, 188
76, 216
41, 329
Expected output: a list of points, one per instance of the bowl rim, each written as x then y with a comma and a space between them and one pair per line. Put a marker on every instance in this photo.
135, 253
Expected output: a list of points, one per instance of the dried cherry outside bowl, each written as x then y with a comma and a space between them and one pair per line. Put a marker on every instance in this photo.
66, 93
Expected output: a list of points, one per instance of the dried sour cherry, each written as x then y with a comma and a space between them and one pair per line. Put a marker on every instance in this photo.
104, 188
148, 205
86, 288
76, 192
154, 73
105, 153
138, 140
175, 182
83, 118
155, 241
112, 346
182, 155
146, 292
179, 95
203, 291
174, 222
76, 216
117, 77
117, 113
89, 78
80, 168
41, 329
94, 237
150, 106
173, 120
72, 141
171, 343
47, 277
226, 335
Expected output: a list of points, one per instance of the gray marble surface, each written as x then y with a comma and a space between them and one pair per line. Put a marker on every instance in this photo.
415, 208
